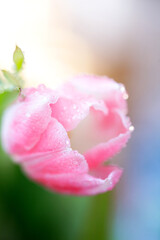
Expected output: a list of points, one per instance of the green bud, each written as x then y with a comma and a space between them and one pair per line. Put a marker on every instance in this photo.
18, 58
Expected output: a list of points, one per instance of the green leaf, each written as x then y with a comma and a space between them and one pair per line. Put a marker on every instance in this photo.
18, 58
15, 80
6, 98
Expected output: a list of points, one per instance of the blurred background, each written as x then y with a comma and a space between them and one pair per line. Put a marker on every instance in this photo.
61, 38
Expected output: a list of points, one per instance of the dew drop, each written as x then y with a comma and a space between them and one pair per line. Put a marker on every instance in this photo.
125, 96
74, 106
131, 128
110, 183
122, 88
67, 142
123, 91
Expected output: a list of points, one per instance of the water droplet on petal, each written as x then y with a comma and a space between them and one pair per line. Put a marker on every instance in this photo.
110, 183
123, 91
74, 106
122, 88
67, 142
131, 128
125, 96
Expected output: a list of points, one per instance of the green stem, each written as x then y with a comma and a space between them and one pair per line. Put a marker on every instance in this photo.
99, 218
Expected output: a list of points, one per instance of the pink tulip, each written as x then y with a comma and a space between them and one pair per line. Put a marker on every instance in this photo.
62, 138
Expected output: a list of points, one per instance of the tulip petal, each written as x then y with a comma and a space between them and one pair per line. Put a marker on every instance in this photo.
113, 93
25, 121
72, 107
102, 180
54, 138
116, 126
67, 161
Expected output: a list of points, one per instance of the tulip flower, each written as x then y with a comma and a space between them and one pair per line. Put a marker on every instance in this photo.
63, 138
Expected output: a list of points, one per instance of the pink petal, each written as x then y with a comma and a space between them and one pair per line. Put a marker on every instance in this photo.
67, 161
116, 126
72, 107
54, 138
104, 179
113, 93
25, 121
113, 174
